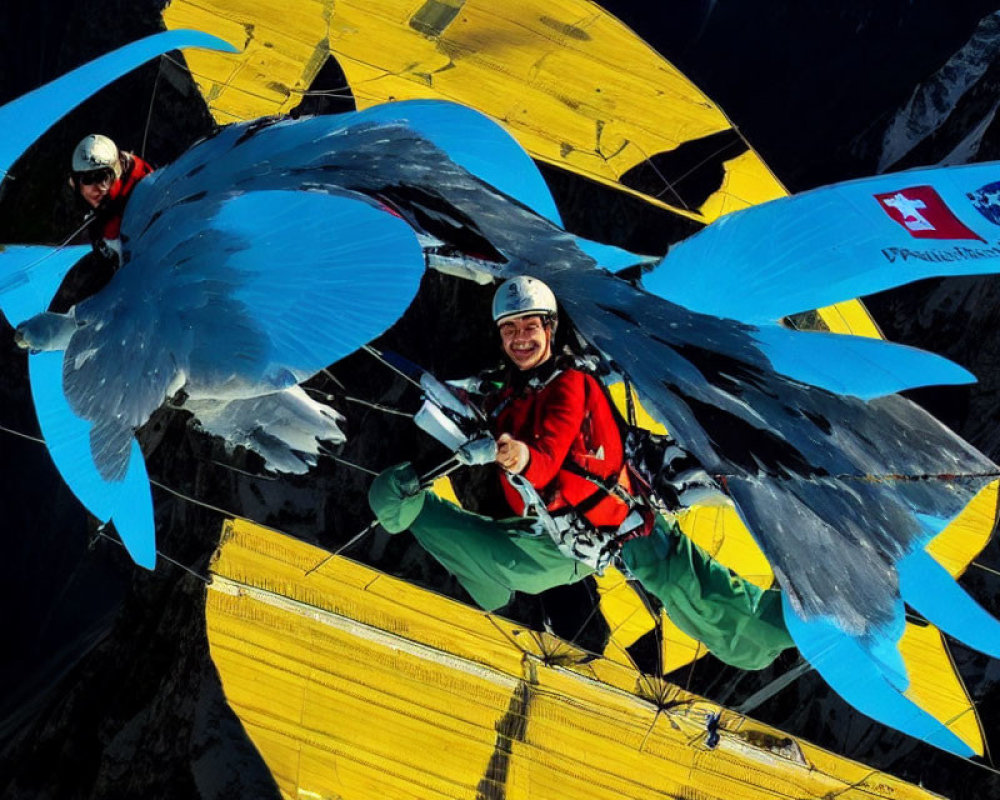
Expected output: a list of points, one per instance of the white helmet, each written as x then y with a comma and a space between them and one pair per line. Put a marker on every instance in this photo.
523, 297
97, 152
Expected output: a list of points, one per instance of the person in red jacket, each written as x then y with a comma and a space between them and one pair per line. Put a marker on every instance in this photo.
562, 470
562, 464
104, 178
554, 427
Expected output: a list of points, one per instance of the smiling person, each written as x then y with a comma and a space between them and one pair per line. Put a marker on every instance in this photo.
104, 179
561, 460
554, 426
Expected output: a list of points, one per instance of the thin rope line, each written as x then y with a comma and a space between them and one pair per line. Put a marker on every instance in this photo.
373, 352
595, 607
203, 578
27, 436
152, 482
228, 86
694, 662
332, 377
347, 463
667, 185
87, 220
442, 470
348, 398
239, 471
984, 568
695, 167
197, 502
90, 216
340, 91
379, 407
870, 478
371, 526
149, 113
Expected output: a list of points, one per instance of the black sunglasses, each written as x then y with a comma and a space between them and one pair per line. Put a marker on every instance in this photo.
94, 176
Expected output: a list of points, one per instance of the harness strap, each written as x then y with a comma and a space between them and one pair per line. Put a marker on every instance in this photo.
609, 486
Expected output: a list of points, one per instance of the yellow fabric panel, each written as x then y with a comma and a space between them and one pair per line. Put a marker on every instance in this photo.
256, 557
356, 706
642, 417
721, 532
966, 536
748, 182
677, 649
338, 699
935, 685
576, 87
852, 317
442, 488
282, 53
629, 620
626, 615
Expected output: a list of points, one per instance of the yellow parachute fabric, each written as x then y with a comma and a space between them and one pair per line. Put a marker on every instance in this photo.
934, 684
355, 685
576, 87
580, 91
571, 83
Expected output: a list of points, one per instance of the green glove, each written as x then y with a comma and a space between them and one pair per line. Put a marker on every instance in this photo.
396, 497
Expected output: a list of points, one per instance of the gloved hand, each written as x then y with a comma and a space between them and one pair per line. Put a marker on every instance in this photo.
396, 497
482, 450
512, 454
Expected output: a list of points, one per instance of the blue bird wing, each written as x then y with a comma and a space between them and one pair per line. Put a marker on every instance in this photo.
126, 501
873, 682
800, 460
236, 296
30, 276
836, 243
24, 120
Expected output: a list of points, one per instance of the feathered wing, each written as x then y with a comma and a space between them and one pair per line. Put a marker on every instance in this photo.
819, 478
127, 501
836, 490
30, 275
835, 243
795, 456
830, 484
235, 297
251, 263
285, 428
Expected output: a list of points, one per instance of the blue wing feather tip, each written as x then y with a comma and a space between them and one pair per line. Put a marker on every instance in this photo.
866, 680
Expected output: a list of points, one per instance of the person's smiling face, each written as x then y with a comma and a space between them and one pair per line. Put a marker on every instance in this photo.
526, 341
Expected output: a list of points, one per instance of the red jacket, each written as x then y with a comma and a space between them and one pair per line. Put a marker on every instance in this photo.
109, 222
568, 425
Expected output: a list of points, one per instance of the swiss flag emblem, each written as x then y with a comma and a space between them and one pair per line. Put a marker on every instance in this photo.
924, 214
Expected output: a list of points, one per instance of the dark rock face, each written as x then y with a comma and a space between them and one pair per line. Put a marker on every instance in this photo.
116, 695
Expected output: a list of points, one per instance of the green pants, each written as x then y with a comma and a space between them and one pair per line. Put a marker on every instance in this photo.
738, 622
